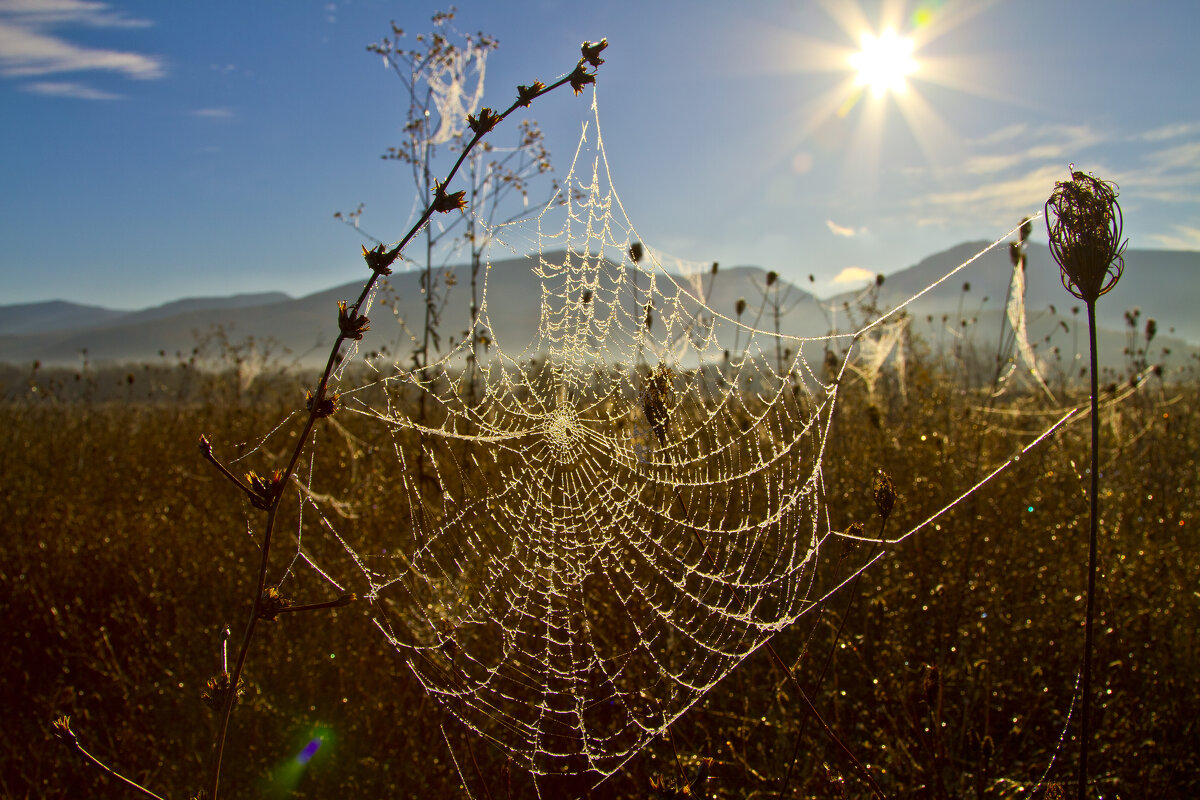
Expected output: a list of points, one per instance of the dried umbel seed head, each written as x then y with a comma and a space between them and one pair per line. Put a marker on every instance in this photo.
636, 252
772, 276
740, 306
884, 492
1083, 220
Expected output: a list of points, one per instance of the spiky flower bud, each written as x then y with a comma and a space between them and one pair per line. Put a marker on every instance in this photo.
218, 689
379, 259
884, 492
591, 52
445, 203
325, 407
580, 78
1083, 220
482, 124
352, 324
264, 491
271, 604
525, 94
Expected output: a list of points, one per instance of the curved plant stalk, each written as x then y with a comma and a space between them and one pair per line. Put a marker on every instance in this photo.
268, 494
1083, 220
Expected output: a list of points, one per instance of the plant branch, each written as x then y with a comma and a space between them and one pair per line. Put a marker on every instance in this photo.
62, 730
320, 406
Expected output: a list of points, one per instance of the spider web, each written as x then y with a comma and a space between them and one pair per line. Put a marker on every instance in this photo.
601, 523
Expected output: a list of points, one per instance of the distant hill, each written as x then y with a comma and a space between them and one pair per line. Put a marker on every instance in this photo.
1161, 283
54, 315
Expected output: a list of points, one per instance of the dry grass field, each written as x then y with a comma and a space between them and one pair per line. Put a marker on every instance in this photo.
953, 675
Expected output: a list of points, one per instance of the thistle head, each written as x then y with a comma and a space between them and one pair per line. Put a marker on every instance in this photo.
1083, 220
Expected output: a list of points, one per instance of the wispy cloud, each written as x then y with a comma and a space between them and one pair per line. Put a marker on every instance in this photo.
214, 113
842, 230
65, 89
28, 47
854, 275
1185, 237
1172, 131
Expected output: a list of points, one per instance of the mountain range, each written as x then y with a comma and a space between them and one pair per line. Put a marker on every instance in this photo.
1161, 284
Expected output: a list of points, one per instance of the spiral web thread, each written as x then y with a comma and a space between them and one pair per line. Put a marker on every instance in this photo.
611, 518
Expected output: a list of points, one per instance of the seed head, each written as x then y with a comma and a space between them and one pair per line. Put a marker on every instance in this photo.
884, 492
379, 259
482, 124
218, 688
352, 324
1083, 220
591, 52
655, 395
580, 78
271, 604
525, 94
636, 252
445, 203
264, 490
325, 407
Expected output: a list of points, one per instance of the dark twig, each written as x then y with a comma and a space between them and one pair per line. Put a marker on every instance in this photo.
62, 730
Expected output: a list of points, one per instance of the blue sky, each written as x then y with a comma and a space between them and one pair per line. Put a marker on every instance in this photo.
154, 150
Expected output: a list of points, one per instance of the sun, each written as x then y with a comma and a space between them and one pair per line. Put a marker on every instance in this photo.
884, 62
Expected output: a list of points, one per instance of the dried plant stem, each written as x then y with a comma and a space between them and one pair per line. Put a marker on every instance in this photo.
63, 731
1093, 535
318, 402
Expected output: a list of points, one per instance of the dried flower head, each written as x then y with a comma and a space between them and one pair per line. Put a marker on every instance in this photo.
62, 729
636, 252
482, 124
740, 306
218, 688
264, 491
580, 78
525, 94
884, 492
591, 52
445, 203
324, 407
352, 324
1083, 220
271, 604
379, 259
